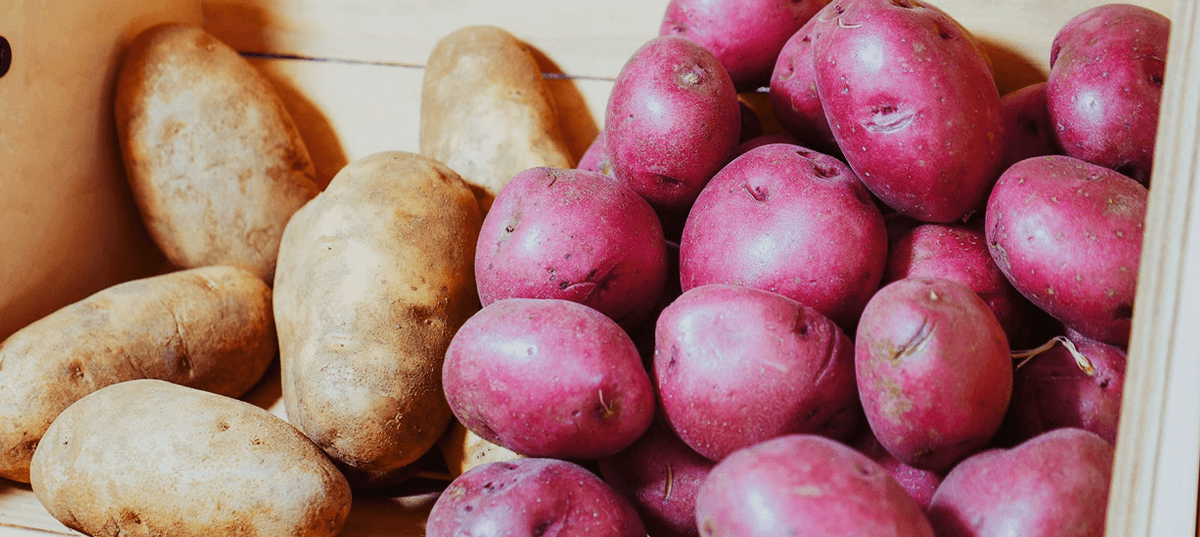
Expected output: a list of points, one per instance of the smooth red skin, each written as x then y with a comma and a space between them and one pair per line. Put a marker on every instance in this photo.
922, 129
933, 369
793, 91
920, 484
805, 485
595, 158
548, 378
791, 221
1050, 392
1053, 485
1068, 235
958, 252
532, 497
661, 476
745, 35
1030, 133
1105, 86
672, 120
575, 235
735, 366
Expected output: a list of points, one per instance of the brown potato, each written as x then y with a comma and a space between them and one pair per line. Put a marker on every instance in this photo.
147, 457
375, 276
486, 111
214, 160
211, 328
463, 450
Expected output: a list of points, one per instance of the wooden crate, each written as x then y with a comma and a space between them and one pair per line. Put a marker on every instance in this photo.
350, 72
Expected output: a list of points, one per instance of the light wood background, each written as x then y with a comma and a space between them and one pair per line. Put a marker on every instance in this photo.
350, 71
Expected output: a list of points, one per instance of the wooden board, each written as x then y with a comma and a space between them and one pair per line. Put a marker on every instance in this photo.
350, 72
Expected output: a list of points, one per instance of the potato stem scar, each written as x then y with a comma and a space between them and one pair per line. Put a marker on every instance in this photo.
1080, 360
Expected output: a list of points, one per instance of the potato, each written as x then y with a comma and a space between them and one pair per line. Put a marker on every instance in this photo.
723, 349
548, 378
532, 497
595, 158
805, 485
793, 91
911, 101
660, 475
148, 457
791, 221
919, 484
1104, 90
933, 370
210, 328
462, 450
375, 277
959, 252
214, 159
1055, 389
1029, 131
745, 36
1052, 485
1068, 235
672, 120
573, 235
486, 111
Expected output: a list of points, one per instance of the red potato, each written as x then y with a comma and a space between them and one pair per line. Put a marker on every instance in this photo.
959, 252
1053, 485
572, 235
1029, 131
548, 378
1105, 86
1054, 389
723, 349
595, 158
532, 497
661, 476
672, 120
805, 485
745, 35
919, 484
1068, 235
791, 221
793, 90
765, 139
912, 104
933, 370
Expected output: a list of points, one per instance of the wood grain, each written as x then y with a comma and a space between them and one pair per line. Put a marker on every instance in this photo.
1154, 488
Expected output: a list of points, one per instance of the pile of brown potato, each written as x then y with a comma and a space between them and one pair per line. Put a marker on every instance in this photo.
701, 328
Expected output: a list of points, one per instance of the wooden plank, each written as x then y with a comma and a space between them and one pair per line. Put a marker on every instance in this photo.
1154, 489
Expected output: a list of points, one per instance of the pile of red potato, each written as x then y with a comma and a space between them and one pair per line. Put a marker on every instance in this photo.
829, 320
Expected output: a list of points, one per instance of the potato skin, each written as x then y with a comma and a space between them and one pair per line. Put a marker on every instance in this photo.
1055, 484
486, 111
933, 370
548, 378
532, 497
1068, 235
375, 276
215, 162
211, 328
1104, 90
148, 457
805, 485
911, 102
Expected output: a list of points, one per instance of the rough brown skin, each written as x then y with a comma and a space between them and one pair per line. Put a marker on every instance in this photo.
214, 159
148, 457
486, 111
210, 328
375, 276
464, 450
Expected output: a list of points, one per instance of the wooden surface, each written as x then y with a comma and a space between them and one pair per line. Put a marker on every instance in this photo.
1154, 489
350, 72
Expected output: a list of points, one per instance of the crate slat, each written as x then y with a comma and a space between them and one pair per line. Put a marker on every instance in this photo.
1154, 489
